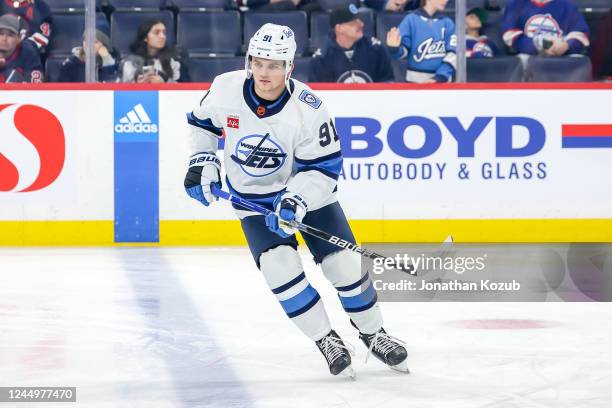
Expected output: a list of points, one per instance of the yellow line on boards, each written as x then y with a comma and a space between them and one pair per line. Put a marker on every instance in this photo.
228, 232
65, 233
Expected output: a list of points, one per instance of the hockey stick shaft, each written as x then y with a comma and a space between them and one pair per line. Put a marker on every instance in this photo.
307, 229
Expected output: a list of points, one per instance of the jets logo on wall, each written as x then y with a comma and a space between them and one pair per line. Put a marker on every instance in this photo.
258, 155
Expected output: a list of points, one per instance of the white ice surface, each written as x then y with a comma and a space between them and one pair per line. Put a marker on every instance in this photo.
198, 327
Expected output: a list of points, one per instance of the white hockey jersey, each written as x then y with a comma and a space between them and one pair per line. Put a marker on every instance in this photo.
288, 145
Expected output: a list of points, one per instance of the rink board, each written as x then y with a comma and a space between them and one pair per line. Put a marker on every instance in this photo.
483, 163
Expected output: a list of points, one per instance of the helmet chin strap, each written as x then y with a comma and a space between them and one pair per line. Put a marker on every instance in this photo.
288, 72
247, 66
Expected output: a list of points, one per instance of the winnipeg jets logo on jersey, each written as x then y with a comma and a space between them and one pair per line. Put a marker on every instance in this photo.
481, 48
542, 24
258, 155
354, 76
429, 49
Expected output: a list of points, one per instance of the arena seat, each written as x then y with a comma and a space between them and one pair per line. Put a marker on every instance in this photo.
300, 71
593, 5
204, 33
66, 6
68, 32
399, 69
135, 5
386, 21
560, 69
206, 69
198, 5
124, 26
493, 30
52, 68
499, 69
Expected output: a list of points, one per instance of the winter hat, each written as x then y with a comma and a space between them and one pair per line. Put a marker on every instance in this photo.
103, 32
481, 13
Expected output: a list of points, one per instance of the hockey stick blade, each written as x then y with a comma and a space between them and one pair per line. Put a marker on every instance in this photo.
307, 229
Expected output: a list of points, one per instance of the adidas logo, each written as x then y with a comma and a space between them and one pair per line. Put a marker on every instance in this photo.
136, 121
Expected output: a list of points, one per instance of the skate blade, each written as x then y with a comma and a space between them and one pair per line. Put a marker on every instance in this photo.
401, 367
349, 373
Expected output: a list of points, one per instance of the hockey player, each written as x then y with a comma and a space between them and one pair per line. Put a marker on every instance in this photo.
546, 27
282, 151
427, 39
19, 60
36, 17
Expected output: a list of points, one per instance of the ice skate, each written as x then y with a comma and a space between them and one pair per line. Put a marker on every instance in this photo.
388, 349
337, 354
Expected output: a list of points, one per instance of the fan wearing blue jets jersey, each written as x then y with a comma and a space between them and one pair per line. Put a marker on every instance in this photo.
282, 151
546, 27
426, 38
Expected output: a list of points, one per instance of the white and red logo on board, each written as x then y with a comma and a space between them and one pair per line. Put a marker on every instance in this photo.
233, 122
32, 148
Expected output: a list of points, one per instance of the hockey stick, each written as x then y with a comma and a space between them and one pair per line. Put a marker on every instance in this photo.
307, 229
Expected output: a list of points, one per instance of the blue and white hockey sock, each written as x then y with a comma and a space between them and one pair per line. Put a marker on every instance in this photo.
282, 269
356, 292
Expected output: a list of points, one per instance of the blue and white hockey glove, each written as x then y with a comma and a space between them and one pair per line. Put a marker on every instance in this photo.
204, 169
288, 207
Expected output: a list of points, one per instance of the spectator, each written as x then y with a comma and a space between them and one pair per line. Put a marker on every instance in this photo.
19, 61
152, 60
426, 37
107, 59
37, 22
349, 56
545, 27
476, 44
392, 6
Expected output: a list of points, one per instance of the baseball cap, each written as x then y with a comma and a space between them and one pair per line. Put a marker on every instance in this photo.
10, 22
480, 13
343, 15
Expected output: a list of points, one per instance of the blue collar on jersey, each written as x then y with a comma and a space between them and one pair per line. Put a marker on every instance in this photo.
260, 108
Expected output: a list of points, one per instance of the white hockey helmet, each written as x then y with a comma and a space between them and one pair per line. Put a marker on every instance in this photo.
275, 42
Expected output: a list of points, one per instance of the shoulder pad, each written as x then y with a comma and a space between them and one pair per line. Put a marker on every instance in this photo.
310, 99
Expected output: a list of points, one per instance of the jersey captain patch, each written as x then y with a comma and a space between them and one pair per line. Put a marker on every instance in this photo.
309, 99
